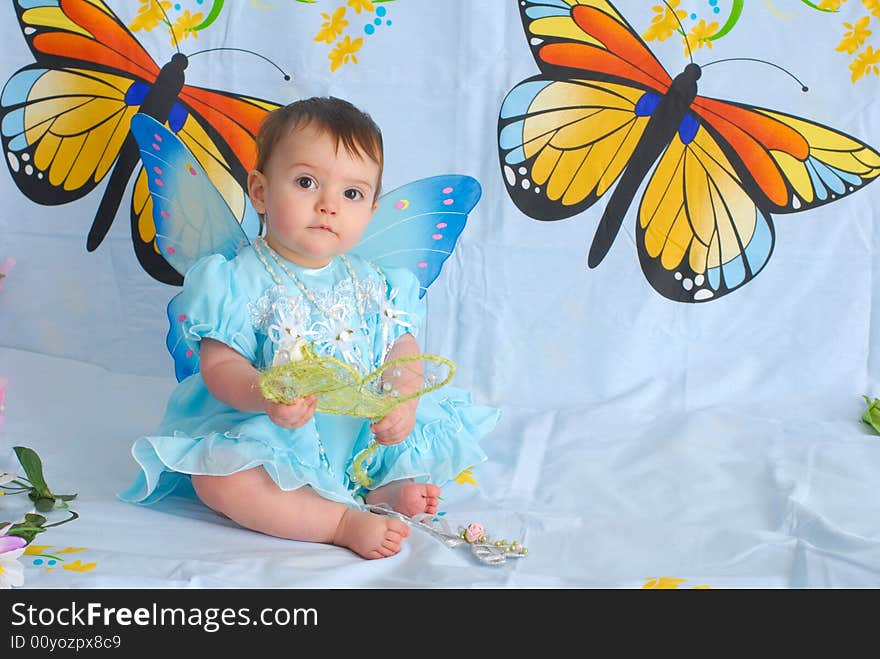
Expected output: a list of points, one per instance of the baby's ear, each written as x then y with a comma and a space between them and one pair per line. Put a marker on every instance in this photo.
256, 186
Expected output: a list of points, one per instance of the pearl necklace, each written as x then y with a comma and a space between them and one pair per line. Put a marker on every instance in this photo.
260, 244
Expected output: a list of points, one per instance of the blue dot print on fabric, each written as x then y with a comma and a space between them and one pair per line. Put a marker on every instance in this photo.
38, 561
369, 29
381, 11
378, 21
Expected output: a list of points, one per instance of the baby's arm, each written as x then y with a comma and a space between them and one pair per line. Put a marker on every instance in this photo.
233, 380
400, 421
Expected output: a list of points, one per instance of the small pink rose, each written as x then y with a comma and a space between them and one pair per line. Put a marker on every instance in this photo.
473, 532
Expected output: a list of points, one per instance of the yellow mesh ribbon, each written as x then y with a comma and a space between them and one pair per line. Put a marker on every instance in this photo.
340, 389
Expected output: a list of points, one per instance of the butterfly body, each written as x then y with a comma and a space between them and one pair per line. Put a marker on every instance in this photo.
604, 117
158, 102
666, 115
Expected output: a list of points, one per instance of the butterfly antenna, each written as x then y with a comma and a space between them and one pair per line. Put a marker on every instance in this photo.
804, 88
170, 27
242, 50
681, 30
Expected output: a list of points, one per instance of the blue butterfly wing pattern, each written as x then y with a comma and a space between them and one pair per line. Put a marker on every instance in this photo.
192, 220
417, 225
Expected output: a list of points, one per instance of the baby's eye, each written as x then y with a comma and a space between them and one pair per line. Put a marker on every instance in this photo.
353, 194
305, 182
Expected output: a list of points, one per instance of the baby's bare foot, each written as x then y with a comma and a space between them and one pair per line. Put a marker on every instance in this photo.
371, 536
407, 497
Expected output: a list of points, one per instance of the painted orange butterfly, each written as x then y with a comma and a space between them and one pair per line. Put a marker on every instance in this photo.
604, 109
65, 119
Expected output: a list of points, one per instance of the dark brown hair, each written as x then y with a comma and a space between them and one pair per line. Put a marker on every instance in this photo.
343, 121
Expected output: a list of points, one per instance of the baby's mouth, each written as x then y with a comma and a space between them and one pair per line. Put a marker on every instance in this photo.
323, 227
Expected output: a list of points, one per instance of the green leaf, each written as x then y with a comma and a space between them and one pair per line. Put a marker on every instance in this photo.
65, 497
29, 528
44, 504
871, 415
33, 467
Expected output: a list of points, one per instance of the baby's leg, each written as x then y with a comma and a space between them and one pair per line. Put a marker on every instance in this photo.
407, 497
251, 498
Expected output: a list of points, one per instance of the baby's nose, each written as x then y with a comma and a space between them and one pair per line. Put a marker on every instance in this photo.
326, 204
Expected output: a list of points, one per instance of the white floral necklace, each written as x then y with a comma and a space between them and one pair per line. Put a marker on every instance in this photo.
333, 312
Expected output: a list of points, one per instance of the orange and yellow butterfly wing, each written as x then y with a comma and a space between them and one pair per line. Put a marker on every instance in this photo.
704, 224
700, 235
562, 144
564, 137
85, 31
591, 39
794, 164
62, 129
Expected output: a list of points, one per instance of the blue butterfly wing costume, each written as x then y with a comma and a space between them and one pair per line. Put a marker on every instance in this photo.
413, 232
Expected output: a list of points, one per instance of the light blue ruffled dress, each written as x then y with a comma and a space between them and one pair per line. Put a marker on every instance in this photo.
251, 308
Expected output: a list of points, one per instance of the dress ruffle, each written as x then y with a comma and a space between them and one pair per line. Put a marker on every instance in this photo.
443, 444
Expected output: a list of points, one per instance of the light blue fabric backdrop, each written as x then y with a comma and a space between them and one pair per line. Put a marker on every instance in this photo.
640, 438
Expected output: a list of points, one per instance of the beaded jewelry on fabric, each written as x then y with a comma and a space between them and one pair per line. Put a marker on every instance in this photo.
473, 536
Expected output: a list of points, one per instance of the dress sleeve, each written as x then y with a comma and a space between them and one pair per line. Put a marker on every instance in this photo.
215, 307
404, 291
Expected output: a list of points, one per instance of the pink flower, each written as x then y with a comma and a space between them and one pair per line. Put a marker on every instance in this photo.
473, 532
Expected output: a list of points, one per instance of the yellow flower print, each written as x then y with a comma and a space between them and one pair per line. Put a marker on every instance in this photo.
466, 477
35, 550
831, 5
699, 34
344, 51
332, 26
79, 566
865, 63
664, 23
358, 5
855, 36
183, 28
872, 6
149, 15
669, 583
663, 583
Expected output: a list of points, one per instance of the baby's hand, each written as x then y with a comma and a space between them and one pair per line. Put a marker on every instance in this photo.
292, 415
397, 424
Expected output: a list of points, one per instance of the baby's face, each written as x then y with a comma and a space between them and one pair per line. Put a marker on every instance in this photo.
319, 198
